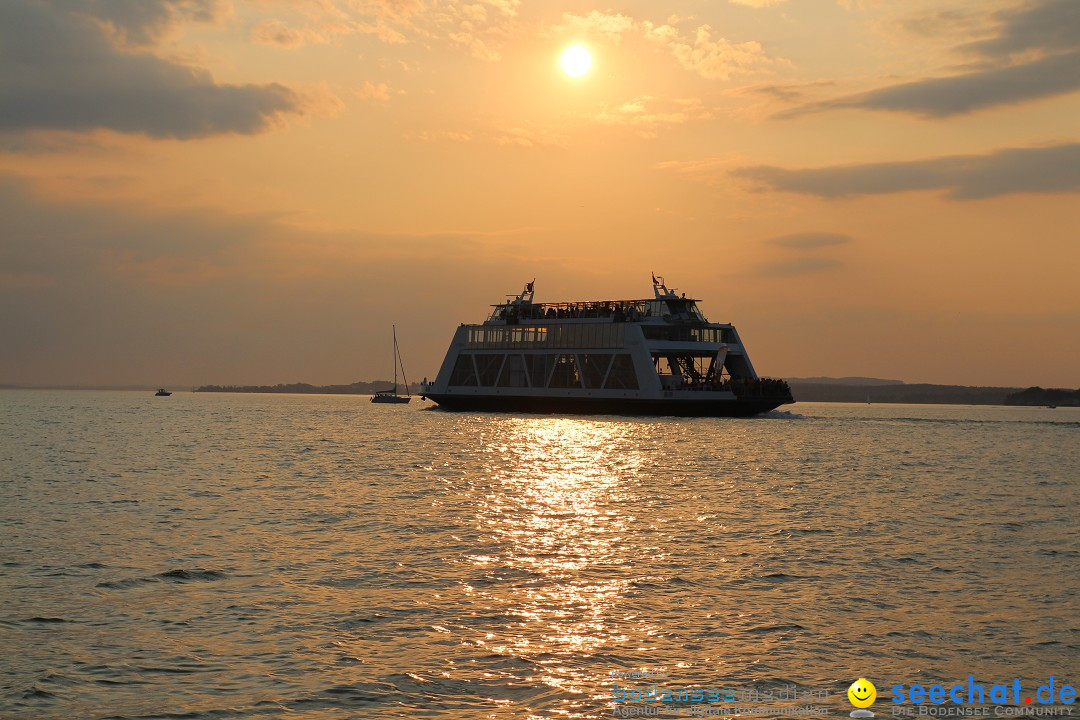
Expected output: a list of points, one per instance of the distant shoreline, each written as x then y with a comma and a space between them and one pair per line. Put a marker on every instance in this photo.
926, 394
356, 388
829, 390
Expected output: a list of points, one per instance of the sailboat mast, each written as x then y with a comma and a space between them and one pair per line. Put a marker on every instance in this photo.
399, 360
395, 358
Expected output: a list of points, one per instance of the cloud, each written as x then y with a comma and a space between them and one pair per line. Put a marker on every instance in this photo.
943, 97
809, 240
648, 113
808, 259
717, 59
947, 22
1032, 55
506, 7
596, 26
276, 32
1046, 26
789, 92
714, 59
60, 72
440, 136
478, 47
1052, 169
478, 27
144, 22
528, 138
757, 3
374, 91
798, 266
395, 9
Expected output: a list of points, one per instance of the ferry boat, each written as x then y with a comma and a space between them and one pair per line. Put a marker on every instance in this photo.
657, 356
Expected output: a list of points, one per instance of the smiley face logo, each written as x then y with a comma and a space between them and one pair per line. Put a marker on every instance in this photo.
862, 693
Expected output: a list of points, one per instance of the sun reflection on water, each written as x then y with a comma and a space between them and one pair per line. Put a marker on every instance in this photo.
560, 508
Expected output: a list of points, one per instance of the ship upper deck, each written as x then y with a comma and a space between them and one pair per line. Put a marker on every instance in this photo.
665, 307
677, 309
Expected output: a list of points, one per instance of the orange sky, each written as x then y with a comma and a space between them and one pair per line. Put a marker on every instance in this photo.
205, 191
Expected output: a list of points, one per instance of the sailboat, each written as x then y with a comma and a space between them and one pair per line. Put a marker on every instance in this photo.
392, 396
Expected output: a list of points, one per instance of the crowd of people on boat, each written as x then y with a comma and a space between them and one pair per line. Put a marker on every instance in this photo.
617, 311
742, 387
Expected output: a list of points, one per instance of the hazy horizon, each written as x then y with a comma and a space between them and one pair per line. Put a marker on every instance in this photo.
182, 387
218, 192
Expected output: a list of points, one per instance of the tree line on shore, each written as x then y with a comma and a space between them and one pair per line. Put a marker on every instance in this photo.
356, 388
804, 391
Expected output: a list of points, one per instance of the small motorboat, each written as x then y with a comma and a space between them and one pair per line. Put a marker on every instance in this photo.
162, 392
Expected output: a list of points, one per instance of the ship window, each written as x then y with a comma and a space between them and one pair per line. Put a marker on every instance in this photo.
493, 338
683, 334
594, 366
513, 373
566, 373
622, 375
653, 332
463, 373
539, 368
487, 368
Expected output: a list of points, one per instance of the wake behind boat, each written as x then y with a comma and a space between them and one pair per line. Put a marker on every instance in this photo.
657, 356
392, 396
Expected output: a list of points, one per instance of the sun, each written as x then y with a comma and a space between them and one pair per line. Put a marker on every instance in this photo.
576, 60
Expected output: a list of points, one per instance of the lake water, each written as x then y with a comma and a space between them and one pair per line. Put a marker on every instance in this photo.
219, 556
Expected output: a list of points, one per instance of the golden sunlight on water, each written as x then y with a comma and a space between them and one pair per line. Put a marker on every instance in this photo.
557, 487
